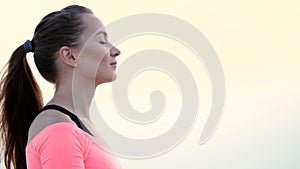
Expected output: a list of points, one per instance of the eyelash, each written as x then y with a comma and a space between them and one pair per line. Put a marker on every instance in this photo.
102, 42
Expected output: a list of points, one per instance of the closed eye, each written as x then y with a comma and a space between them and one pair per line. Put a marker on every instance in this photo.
103, 42
102, 38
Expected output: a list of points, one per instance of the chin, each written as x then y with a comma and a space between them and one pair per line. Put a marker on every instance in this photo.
111, 79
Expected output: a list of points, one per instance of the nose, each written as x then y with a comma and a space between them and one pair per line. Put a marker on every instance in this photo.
114, 52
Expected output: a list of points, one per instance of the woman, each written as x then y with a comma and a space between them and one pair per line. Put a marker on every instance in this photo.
69, 47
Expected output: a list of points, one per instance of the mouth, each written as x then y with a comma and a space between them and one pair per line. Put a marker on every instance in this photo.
113, 63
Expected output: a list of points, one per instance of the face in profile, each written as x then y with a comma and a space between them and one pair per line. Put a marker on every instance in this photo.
97, 57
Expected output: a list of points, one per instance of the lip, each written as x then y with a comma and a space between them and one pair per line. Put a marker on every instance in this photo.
113, 63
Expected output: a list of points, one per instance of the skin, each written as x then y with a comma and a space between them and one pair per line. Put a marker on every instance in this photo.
80, 71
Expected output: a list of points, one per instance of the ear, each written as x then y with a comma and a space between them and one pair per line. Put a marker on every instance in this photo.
67, 57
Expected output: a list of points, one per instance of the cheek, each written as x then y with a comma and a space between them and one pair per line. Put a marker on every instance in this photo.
94, 50
90, 61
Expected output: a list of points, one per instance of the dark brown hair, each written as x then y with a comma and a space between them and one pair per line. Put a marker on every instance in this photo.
20, 97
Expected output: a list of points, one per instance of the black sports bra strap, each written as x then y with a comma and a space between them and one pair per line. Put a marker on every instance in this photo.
67, 112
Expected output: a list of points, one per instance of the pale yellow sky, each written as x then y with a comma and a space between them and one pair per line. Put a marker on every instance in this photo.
258, 45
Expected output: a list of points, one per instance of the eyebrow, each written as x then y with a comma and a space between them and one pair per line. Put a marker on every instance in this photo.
101, 32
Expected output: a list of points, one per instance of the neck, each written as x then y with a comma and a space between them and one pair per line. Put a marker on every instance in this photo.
76, 97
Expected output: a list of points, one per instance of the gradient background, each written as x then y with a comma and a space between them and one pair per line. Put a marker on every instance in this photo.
258, 45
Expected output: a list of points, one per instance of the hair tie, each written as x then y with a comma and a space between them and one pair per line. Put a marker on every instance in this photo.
28, 46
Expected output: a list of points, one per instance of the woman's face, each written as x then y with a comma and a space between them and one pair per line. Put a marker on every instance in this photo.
97, 57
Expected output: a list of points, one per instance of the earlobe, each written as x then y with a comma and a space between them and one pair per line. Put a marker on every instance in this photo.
67, 57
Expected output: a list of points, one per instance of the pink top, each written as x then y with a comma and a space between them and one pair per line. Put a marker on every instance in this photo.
64, 146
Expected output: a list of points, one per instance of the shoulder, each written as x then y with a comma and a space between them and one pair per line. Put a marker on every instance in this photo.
59, 136
45, 119
58, 146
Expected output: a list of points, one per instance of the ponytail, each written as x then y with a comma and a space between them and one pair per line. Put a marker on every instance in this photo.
20, 101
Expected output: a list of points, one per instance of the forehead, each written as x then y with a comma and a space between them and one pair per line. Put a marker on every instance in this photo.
93, 25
